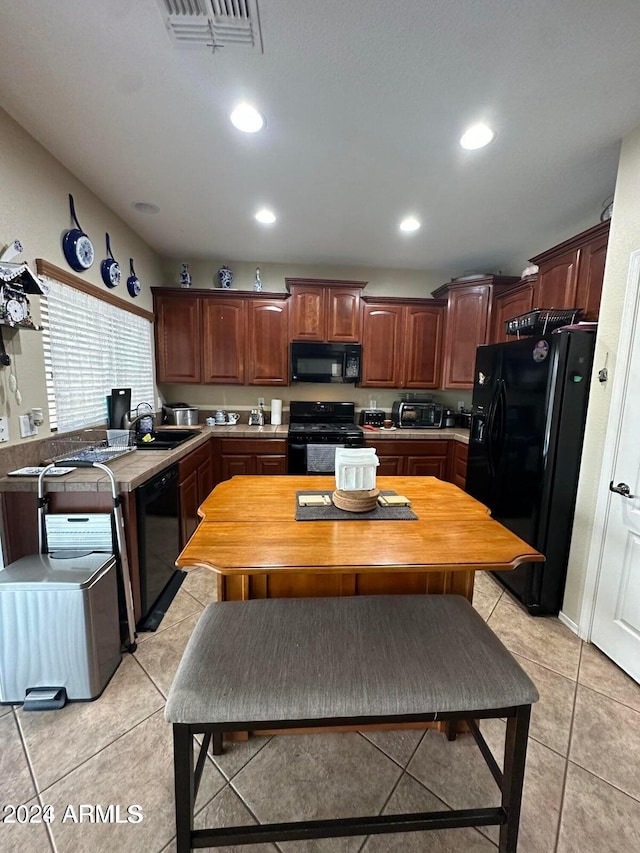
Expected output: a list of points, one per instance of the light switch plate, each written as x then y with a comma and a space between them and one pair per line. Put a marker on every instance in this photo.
27, 426
4, 429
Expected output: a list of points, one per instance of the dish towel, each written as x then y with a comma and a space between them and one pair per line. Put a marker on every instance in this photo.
321, 458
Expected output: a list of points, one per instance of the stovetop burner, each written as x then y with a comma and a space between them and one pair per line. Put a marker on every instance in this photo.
325, 427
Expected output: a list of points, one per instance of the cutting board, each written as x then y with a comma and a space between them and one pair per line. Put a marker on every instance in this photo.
119, 405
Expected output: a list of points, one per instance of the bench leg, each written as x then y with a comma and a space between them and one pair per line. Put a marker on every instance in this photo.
515, 753
183, 786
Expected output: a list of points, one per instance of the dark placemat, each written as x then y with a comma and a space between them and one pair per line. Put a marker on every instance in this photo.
332, 513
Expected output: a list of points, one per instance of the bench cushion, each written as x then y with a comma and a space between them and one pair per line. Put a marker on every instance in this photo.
326, 658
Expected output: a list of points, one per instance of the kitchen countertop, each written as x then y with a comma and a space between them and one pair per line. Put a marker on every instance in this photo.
134, 469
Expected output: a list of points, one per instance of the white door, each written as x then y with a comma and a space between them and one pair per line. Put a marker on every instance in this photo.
616, 554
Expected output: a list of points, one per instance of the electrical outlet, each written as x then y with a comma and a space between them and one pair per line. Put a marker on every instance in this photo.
460, 405
4, 429
261, 401
27, 427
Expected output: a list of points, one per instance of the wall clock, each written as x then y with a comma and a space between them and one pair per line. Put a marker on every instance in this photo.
133, 283
110, 268
77, 247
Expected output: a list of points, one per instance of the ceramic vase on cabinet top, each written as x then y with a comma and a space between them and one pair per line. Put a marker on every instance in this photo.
185, 276
257, 285
226, 277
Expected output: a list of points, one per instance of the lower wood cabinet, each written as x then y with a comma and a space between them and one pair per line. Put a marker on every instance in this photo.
195, 481
458, 470
252, 456
415, 457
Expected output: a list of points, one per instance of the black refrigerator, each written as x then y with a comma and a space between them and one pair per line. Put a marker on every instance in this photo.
528, 413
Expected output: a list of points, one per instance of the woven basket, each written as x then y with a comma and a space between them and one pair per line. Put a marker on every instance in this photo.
356, 501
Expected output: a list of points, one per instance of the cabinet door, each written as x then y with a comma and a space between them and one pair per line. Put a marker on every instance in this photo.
467, 321
177, 336
205, 480
423, 328
268, 343
557, 281
231, 465
188, 502
507, 305
270, 464
590, 276
458, 472
382, 350
390, 465
343, 314
223, 333
308, 313
427, 466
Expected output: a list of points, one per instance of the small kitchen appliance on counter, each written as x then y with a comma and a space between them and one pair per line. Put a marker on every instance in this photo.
180, 414
372, 417
327, 424
417, 415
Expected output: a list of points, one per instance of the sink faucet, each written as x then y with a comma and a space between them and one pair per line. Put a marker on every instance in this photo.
133, 423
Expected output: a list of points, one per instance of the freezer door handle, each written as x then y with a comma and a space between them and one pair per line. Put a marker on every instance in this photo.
621, 489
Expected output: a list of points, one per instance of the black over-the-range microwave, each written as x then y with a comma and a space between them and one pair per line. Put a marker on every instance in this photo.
317, 362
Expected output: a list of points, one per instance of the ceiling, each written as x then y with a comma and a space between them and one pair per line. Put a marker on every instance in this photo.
365, 101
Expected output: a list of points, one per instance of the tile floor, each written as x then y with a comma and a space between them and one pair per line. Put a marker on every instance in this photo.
582, 787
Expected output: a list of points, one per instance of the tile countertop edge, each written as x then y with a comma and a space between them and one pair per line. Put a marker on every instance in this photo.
137, 468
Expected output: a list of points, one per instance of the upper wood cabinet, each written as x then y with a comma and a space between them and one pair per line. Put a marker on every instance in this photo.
221, 337
509, 304
324, 309
401, 342
571, 273
469, 311
177, 335
267, 342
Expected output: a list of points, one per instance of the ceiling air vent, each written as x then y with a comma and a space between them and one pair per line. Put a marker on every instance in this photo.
213, 24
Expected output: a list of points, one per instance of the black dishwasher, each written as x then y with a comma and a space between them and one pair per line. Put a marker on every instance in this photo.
158, 546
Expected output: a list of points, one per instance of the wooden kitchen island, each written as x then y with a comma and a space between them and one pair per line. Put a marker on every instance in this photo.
250, 537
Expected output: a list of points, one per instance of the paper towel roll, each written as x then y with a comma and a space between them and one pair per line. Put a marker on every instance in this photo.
276, 412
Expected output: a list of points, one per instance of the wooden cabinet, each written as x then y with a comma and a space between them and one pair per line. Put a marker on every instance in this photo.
325, 310
222, 338
571, 273
223, 341
267, 342
458, 468
511, 303
195, 482
412, 457
401, 342
252, 456
177, 336
468, 324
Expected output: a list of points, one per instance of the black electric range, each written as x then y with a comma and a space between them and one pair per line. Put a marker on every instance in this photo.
319, 423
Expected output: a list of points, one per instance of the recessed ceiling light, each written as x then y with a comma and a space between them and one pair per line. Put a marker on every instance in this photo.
267, 217
145, 207
409, 224
247, 118
477, 137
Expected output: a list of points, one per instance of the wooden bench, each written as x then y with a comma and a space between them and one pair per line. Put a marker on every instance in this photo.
361, 660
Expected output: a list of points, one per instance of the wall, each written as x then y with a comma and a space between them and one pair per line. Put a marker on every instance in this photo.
34, 209
624, 238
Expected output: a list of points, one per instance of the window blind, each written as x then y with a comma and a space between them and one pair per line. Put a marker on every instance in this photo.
90, 347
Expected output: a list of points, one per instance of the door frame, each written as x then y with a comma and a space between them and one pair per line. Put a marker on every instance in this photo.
628, 330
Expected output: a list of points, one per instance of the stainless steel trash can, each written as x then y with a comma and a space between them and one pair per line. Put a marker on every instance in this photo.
59, 625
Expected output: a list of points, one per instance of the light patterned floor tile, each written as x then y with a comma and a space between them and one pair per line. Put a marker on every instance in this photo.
398, 745
182, 606
160, 655
606, 740
16, 784
58, 741
601, 674
202, 584
551, 716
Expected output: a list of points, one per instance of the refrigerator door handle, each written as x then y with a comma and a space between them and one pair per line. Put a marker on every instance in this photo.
501, 417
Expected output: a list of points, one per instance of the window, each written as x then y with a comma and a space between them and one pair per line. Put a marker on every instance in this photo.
91, 346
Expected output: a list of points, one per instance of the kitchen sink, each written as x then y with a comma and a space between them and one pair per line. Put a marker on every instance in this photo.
166, 439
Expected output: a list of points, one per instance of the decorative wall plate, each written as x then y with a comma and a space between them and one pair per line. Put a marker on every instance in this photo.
133, 283
110, 268
77, 247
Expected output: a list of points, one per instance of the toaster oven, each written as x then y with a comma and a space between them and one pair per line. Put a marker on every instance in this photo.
417, 415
